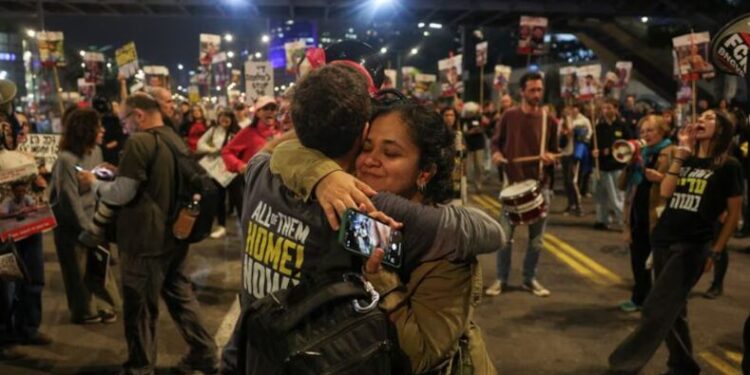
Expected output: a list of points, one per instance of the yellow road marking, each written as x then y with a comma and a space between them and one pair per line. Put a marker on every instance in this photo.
593, 265
492, 200
492, 210
733, 356
718, 363
572, 263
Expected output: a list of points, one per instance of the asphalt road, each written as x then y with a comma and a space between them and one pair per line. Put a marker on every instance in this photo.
571, 332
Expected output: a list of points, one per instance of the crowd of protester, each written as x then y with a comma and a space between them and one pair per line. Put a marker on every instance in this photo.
418, 157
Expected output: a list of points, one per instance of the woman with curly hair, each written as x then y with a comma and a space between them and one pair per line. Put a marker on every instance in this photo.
88, 302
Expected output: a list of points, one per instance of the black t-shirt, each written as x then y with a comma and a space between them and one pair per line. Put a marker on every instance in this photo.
700, 197
112, 132
639, 214
606, 135
474, 141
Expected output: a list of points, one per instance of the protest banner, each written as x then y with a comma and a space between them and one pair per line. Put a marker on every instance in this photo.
210, 45
93, 71
451, 70
51, 51
44, 148
690, 55
258, 80
127, 60
23, 209
531, 35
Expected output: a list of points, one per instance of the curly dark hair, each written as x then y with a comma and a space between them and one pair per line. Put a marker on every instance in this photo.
330, 108
234, 127
436, 145
80, 131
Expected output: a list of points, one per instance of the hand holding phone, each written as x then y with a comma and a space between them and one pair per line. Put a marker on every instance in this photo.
362, 234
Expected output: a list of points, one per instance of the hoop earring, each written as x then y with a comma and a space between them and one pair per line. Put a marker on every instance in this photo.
421, 186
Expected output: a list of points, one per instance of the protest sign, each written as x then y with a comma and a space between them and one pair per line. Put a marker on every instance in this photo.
258, 80
127, 60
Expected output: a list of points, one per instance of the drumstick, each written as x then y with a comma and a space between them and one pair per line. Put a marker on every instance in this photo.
526, 159
543, 143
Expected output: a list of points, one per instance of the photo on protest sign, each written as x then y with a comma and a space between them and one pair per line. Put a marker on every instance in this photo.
236, 76
451, 83
86, 90
568, 82
409, 79
258, 80
531, 35
294, 52
194, 94
214, 166
624, 70
589, 84
44, 148
502, 77
156, 76
684, 92
127, 60
93, 71
481, 54
24, 210
51, 51
220, 70
389, 82
423, 86
210, 45
690, 55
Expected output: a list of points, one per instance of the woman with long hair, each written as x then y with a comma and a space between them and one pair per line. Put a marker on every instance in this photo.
251, 139
88, 302
409, 152
643, 202
701, 183
450, 119
211, 143
197, 127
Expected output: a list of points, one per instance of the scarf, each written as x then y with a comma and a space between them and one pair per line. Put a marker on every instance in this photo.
638, 168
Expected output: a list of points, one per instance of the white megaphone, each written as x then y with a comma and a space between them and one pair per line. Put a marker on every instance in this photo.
624, 150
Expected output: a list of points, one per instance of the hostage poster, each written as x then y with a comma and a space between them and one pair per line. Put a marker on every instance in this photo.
24, 209
94, 68
210, 45
127, 60
691, 56
568, 82
156, 76
451, 82
589, 84
258, 80
294, 52
502, 77
408, 79
51, 48
531, 35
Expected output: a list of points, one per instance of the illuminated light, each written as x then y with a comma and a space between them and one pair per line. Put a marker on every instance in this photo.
258, 55
420, 25
644, 19
27, 55
179, 87
230, 54
426, 33
435, 25
380, 3
180, 67
82, 53
83, 65
384, 50
3, 74
192, 72
414, 51
218, 88
109, 65
31, 33
265, 38
290, 22
228, 37
229, 65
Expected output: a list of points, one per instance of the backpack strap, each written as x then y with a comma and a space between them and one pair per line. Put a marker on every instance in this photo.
320, 297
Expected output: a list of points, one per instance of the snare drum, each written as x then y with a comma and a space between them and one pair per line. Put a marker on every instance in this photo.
523, 202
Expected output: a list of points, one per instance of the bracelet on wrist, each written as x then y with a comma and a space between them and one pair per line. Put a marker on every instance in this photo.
676, 174
681, 160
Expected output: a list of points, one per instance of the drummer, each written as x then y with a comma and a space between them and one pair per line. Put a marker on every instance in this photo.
519, 134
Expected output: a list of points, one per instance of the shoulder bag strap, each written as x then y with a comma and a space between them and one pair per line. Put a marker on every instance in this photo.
326, 294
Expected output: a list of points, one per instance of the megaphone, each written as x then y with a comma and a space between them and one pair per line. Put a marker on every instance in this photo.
624, 150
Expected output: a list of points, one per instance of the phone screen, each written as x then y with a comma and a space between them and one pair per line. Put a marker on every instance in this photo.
363, 234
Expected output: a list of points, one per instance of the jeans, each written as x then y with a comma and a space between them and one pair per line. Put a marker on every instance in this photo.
144, 278
608, 197
664, 315
21, 302
536, 233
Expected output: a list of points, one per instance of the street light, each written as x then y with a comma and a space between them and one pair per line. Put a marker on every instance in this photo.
228, 37
265, 38
644, 19
180, 67
229, 65
31, 33
82, 53
258, 55
414, 51
230, 54
384, 50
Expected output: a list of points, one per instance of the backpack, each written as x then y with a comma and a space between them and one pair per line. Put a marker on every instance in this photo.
192, 179
330, 328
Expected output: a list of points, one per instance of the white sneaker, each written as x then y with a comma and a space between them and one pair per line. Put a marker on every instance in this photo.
536, 288
495, 289
219, 232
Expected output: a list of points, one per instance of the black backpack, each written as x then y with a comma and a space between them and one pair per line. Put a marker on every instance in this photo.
331, 328
192, 179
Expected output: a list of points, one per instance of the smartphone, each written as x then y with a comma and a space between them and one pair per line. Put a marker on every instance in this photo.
361, 234
79, 168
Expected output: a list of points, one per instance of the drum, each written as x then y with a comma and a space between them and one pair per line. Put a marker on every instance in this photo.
523, 202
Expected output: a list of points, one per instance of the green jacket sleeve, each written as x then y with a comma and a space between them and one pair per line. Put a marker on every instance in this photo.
301, 168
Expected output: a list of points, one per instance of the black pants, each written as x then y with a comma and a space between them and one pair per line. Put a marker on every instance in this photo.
664, 315
640, 249
570, 178
144, 278
21, 301
720, 269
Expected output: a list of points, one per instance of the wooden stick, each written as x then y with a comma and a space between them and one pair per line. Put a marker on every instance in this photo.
694, 99
481, 86
526, 159
58, 89
596, 143
543, 142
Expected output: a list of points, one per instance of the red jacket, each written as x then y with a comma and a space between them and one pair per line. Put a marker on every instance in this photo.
194, 134
245, 145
